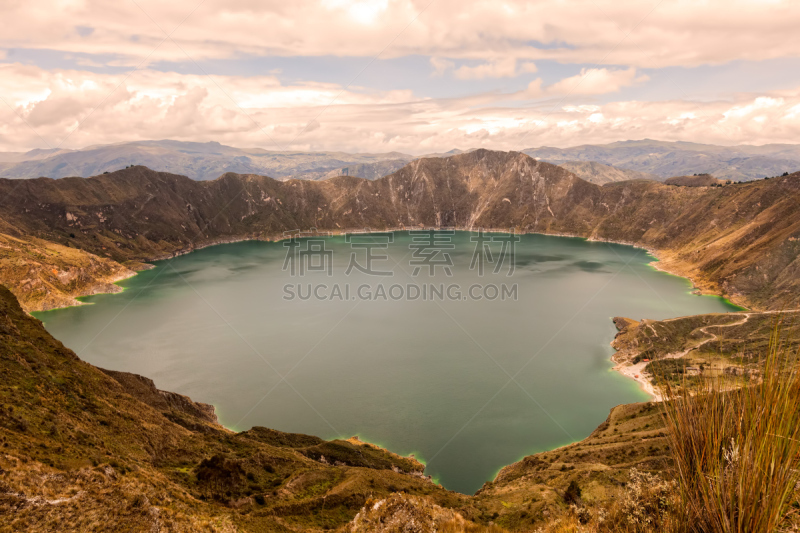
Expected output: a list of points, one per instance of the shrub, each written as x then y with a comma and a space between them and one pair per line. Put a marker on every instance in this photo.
647, 502
573, 493
219, 474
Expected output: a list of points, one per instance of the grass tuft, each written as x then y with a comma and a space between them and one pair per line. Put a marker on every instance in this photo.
736, 448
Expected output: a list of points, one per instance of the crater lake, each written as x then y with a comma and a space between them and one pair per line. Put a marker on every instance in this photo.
468, 372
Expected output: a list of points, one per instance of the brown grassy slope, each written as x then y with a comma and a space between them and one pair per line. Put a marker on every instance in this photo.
80, 450
51, 275
741, 240
530, 493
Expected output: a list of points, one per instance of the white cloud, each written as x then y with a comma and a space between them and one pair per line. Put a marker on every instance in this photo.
151, 104
597, 81
758, 105
584, 108
440, 66
614, 32
363, 11
534, 89
502, 68
590, 82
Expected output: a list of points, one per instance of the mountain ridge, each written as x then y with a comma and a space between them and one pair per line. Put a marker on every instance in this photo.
740, 240
201, 161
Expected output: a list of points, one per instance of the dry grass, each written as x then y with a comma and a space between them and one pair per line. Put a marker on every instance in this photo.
456, 527
736, 451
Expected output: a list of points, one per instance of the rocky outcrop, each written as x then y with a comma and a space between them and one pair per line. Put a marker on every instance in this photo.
718, 341
144, 390
46, 275
405, 514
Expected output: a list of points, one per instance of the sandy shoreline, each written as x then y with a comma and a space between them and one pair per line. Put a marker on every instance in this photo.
636, 372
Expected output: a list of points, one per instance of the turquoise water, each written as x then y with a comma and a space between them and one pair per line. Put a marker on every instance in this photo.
466, 385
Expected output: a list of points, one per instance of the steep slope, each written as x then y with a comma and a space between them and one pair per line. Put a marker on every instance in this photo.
51, 275
740, 240
630, 445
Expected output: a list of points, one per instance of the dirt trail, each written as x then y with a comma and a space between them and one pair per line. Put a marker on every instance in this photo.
711, 337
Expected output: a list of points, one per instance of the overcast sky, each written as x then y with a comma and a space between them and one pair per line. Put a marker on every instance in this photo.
415, 76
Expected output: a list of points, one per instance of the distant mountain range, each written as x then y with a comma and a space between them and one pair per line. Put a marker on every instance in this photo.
598, 164
667, 159
199, 161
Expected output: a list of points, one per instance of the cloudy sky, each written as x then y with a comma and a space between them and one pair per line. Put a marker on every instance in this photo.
416, 76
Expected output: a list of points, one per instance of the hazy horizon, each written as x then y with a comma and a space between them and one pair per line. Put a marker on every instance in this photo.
411, 153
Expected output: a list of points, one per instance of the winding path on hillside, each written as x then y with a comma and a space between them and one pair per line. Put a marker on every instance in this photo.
637, 372
711, 336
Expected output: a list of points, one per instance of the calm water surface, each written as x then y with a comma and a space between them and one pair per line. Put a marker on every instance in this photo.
468, 386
